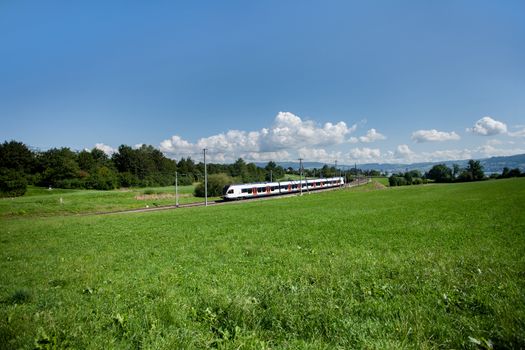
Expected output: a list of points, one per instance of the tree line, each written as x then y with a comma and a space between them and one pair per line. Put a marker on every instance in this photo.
444, 174
127, 167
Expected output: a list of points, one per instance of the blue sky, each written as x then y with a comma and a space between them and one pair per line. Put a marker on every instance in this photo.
374, 81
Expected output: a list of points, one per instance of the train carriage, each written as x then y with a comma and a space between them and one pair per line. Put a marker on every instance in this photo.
255, 190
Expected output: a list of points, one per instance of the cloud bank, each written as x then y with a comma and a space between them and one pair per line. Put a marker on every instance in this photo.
433, 136
289, 136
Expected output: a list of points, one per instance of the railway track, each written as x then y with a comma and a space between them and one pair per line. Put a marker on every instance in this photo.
223, 202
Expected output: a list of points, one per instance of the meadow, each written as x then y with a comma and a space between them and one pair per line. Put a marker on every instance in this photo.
413, 267
51, 202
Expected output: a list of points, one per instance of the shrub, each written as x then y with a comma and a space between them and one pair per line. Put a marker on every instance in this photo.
102, 178
440, 173
127, 179
185, 180
417, 181
216, 184
12, 183
397, 181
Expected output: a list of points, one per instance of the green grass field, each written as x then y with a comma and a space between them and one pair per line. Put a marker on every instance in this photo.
415, 267
382, 180
44, 202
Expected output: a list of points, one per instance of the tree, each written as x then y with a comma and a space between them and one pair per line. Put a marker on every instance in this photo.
16, 156
327, 171
145, 166
410, 176
440, 173
516, 172
12, 183
473, 172
216, 185
85, 161
476, 169
102, 178
273, 171
238, 169
397, 180
59, 168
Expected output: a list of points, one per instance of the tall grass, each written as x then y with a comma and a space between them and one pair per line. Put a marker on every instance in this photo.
436, 266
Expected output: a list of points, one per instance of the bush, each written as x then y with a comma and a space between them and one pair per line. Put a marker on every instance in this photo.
417, 181
127, 179
102, 178
12, 183
216, 184
185, 180
69, 184
397, 181
440, 173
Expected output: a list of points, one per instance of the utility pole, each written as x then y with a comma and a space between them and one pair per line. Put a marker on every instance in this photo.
335, 169
271, 178
301, 175
176, 190
355, 166
205, 180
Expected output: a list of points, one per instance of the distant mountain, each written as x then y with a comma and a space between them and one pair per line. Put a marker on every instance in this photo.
490, 165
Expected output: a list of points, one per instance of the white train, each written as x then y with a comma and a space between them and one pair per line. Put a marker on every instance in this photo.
254, 190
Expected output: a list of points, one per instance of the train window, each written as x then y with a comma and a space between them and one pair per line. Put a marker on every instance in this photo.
260, 189
230, 191
245, 190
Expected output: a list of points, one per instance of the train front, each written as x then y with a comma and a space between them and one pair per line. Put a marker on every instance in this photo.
228, 193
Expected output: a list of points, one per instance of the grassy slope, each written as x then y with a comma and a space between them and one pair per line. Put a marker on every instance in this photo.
40, 201
407, 267
381, 180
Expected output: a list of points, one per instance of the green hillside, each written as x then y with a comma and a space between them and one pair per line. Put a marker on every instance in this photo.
431, 266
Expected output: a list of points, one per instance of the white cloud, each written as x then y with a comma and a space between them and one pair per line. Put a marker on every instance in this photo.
105, 148
433, 135
488, 150
519, 133
494, 142
487, 126
177, 145
319, 155
287, 135
404, 152
265, 156
290, 131
364, 154
485, 151
371, 136
453, 154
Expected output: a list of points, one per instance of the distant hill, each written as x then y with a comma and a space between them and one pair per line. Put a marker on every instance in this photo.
490, 165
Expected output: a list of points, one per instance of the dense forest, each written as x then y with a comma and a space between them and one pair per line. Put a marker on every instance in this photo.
128, 167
